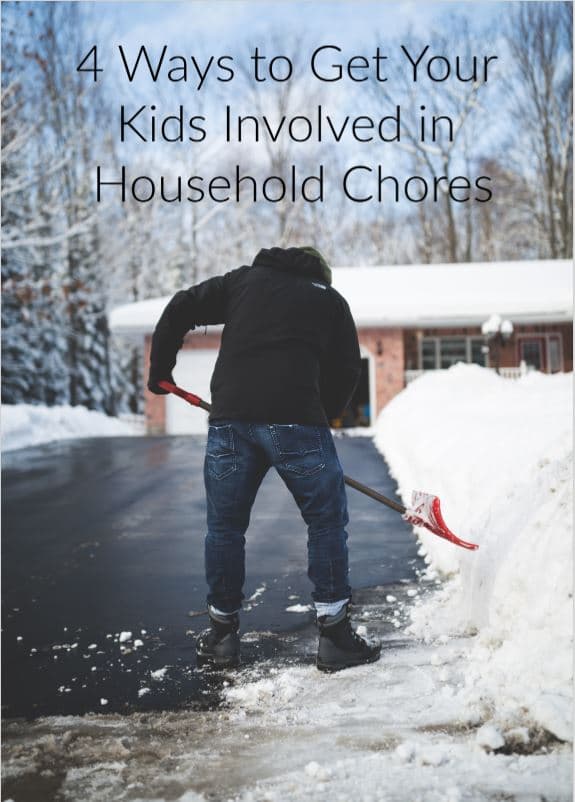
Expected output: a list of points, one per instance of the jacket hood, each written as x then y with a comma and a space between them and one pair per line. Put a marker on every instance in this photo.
295, 260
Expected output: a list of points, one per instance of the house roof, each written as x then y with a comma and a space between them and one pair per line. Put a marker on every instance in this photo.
426, 295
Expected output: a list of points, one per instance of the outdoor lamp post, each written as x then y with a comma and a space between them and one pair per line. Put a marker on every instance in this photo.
497, 333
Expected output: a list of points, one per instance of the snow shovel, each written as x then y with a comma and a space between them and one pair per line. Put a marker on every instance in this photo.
425, 508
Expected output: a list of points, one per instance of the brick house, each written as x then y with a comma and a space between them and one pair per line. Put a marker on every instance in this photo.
410, 319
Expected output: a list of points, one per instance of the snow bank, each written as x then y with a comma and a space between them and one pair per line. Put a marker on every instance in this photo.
29, 425
498, 453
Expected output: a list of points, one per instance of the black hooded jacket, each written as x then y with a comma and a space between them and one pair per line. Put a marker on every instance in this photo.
289, 350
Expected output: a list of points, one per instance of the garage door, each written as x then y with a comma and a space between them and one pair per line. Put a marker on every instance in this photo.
193, 372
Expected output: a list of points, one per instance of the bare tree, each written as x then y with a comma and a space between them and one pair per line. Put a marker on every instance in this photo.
539, 36
458, 103
276, 101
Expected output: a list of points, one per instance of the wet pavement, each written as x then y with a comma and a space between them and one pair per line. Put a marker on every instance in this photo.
105, 536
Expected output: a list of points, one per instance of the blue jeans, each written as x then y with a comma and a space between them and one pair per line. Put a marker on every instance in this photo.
238, 456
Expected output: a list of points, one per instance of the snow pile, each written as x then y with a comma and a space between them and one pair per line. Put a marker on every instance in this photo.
396, 730
29, 425
498, 454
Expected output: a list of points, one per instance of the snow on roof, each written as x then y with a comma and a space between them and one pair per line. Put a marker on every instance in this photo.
426, 295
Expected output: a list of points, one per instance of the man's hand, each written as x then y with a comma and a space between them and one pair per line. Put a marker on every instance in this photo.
155, 388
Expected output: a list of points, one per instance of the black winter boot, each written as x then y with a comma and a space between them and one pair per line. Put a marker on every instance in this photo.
219, 646
340, 646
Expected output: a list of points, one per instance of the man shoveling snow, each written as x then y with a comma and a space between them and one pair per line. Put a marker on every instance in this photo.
289, 361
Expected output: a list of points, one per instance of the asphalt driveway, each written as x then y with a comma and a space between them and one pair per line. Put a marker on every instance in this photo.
105, 536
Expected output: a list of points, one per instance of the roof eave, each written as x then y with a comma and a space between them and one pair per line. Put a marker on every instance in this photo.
461, 321
563, 316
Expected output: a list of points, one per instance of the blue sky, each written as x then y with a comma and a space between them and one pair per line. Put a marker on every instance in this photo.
217, 27
222, 21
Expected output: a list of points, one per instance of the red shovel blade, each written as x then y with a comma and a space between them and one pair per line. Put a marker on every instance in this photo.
425, 511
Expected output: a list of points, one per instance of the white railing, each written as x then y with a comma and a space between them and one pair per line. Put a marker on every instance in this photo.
505, 373
513, 373
411, 375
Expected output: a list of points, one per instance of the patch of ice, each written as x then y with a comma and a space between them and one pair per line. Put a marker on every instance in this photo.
159, 674
191, 796
315, 770
257, 593
490, 737
553, 712
299, 608
405, 751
